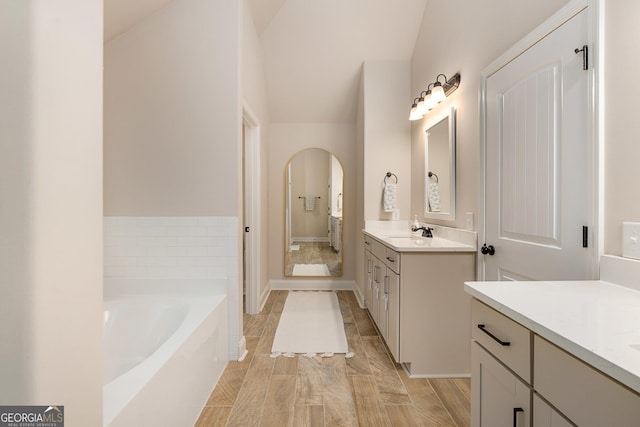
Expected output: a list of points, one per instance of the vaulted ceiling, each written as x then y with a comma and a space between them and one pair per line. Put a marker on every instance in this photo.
313, 50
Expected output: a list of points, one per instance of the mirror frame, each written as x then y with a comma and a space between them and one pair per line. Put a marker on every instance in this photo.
342, 239
451, 215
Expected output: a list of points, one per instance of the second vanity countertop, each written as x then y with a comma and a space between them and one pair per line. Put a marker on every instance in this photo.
596, 321
407, 242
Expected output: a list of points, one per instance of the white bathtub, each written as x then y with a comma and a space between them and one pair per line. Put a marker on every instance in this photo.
164, 350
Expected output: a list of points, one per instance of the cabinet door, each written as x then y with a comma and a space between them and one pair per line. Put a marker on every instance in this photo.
545, 416
368, 274
498, 397
381, 315
376, 290
392, 296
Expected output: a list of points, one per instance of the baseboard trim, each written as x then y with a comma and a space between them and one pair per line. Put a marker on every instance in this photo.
312, 285
242, 349
264, 296
359, 296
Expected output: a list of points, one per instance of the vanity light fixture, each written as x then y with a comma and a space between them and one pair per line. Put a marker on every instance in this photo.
414, 114
433, 96
425, 103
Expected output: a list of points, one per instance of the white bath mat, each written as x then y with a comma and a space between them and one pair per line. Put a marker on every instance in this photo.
311, 324
311, 270
295, 247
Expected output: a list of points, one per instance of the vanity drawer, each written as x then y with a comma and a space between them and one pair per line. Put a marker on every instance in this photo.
368, 242
507, 340
583, 394
392, 260
378, 249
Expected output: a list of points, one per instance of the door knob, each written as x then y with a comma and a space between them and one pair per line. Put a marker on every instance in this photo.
487, 249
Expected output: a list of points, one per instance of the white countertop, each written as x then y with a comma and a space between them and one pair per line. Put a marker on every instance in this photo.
597, 321
407, 242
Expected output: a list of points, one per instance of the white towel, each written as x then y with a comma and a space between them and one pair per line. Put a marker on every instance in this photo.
389, 197
433, 197
309, 203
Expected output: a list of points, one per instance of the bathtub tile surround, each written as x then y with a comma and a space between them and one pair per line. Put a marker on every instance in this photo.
167, 248
170, 247
190, 261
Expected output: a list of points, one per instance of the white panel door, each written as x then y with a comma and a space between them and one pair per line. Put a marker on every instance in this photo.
538, 170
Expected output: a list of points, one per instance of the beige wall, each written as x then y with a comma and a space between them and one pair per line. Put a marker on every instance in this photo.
285, 140
475, 34
51, 206
386, 135
622, 127
172, 114
383, 145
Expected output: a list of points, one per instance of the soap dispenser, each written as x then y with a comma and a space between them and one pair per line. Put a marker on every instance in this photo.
415, 224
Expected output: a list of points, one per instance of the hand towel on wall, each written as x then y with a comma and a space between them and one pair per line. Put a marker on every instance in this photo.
389, 196
433, 197
309, 203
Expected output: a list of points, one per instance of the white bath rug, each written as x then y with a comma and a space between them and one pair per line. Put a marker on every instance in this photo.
310, 323
311, 270
295, 247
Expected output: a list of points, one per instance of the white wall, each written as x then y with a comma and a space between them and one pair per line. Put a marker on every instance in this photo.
475, 34
172, 115
622, 127
285, 140
51, 206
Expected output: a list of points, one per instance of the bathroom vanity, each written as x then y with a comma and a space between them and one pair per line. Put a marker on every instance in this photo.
415, 296
555, 354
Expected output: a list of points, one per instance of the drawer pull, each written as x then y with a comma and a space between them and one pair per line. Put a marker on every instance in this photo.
391, 259
515, 416
483, 329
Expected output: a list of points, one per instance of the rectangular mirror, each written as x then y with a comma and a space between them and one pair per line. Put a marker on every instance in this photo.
440, 168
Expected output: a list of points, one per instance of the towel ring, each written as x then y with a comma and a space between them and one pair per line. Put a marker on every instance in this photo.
431, 174
389, 175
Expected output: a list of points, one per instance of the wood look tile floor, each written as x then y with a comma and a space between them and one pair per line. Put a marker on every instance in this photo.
314, 253
366, 390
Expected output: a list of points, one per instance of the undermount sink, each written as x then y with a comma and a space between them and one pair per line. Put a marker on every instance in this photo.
412, 240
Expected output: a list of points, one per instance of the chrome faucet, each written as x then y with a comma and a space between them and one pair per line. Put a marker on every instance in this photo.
426, 231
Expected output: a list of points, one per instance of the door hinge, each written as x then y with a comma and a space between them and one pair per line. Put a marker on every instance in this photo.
585, 236
246, 229
585, 56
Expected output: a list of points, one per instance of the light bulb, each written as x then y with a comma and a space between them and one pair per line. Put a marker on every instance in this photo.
414, 114
437, 95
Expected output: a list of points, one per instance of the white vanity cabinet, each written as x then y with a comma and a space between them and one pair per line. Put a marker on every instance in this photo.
505, 398
382, 291
512, 366
500, 370
417, 301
